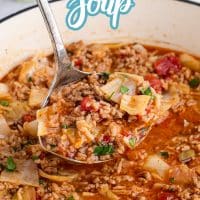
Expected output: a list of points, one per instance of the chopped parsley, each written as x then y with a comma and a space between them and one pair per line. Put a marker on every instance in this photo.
132, 142
52, 146
147, 91
164, 154
71, 198
30, 79
42, 182
103, 150
194, 83
10, 164
110, 97
172, 180
34, 157
4, 103
105, 75
124, 89
65, 126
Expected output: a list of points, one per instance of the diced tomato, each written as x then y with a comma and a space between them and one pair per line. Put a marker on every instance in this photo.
154, 82
28, 118
86, 104
125, 132
167, 196
42, 155
106, 138
167, 65
78, 63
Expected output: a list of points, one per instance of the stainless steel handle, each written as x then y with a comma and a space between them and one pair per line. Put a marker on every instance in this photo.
57, 43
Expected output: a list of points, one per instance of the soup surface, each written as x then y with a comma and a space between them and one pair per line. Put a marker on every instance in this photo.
89, 122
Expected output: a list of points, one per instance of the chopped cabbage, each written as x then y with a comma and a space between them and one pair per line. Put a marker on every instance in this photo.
26, 173
4, 128
37, 96
190, 62
135, 105
58, 178
106, 192
31, 128
156, 165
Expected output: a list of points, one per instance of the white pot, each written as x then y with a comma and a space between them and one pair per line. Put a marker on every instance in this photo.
169, 23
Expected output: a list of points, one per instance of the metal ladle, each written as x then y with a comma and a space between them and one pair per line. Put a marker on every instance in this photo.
66, 73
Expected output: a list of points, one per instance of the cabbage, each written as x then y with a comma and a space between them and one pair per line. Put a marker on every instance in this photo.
107, 193
25, 193
16, 110
111, 90
30, 128
26, 173
42, 119
4, 128
190, 62
37, 96
58, 178
27, 70
156, 165
135, 105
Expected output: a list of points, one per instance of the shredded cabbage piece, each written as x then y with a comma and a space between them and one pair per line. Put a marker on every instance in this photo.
26, 173
135, 105
4, 128
156, 165
37, 96
190, 62
106, 192
58, 178
30, 128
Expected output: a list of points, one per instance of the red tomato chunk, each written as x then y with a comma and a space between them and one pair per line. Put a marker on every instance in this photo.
167, 196
154, 82
86, 104
167, 65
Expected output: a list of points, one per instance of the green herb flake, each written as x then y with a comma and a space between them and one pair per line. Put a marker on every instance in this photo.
164, 154
147, 91
42, 182
10, 164
172, 180
194, 83
103, 150
65, 126
4, 103
71, 198
132, 142
52, 146
30, 79
124, 89
34, 157
110, 97
105, 75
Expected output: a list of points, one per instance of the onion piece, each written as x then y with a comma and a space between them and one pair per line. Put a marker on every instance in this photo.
58, 178
37, 96
135, 105
106, 192
26, 173
156, 165
4, 128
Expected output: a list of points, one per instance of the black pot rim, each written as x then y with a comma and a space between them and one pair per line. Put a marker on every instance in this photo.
51, 1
